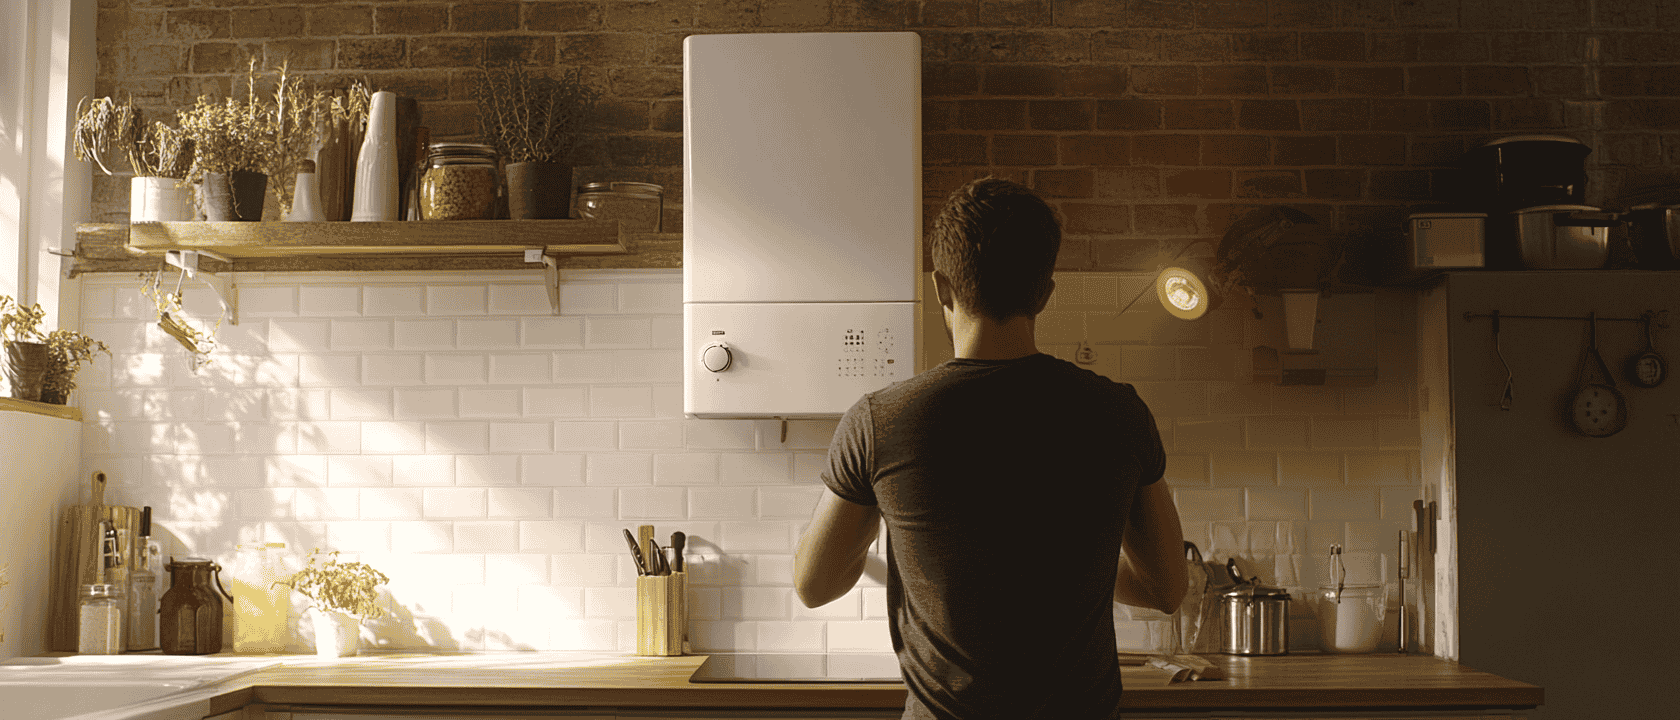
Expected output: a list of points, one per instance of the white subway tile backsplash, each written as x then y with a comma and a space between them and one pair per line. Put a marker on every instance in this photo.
1396, 504
720, 434
1309, 469
487, 334
1187, 470
756, 603
551, 470
456, 369
619, 469
552, 536
329, 300
588, 570
360, 335
456, 300
584, 298
1243, 469
1145, 362
1277, 432
359, 403
650, 435
1345, 431
551, 332
457, 437
585, 435
589, 367
1174, 399
1208, 504
650, 503
299, 335
667, 332
423, 334
785, 636
646, 366
556, 401
1344, 503
295, 471
1398, 432
521, 368
519, 299
486, 470
489, 402
487, 536
423, 470
650, 297
520, 503
685, 469
1202, 436
611, 401
423, 403
445, 503
722, 503
603, 333
255, 301
1276, 503
329, 370
1387, 467
520, 437
590, 503
767, 536
327, 504
380, 369
391, 503
386, 300
264, 504
353, 536
754, 468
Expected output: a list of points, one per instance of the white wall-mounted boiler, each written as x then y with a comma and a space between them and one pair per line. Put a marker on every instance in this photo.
801, 220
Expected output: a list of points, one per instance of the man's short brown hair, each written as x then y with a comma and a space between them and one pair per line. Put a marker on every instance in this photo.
996, 242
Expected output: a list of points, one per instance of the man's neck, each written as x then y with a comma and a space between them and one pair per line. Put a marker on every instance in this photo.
982, 338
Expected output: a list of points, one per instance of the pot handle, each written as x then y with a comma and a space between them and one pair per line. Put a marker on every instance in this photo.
1585, 219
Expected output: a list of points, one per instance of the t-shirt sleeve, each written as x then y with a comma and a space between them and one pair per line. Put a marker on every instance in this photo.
848, 473
1151, 456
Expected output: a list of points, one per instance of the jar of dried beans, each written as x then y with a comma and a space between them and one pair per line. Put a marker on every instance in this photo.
460, 182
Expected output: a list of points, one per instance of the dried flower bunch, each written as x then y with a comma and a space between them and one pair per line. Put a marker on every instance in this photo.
269, 137
172, 318
67, 350
346, 587
532, 118
104, 126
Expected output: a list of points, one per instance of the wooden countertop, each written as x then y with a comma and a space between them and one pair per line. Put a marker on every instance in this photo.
1308, 682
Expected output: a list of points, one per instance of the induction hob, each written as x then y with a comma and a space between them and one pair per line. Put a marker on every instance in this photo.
798, 668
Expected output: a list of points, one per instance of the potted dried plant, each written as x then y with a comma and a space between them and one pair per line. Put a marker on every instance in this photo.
41, 366
241, 145
160, 156
341, 595
534, 122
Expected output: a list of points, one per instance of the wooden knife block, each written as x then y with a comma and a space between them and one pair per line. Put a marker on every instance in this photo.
76, 562
662, 614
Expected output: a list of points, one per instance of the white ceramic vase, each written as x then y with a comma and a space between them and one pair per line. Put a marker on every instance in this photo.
337, 634
159, 199
375, 197
306, 197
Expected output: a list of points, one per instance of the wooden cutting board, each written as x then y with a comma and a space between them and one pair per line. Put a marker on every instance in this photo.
76, 560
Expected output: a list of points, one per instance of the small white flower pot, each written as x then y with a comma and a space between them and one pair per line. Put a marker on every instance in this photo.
337, 634
159, 199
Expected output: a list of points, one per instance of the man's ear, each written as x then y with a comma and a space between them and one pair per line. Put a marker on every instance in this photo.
942, 290
1044, 299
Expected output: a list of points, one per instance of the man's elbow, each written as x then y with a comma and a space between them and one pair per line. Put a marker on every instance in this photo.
812, 592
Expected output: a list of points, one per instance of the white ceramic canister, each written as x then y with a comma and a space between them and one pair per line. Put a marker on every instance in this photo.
306, 197
375, 197
159, 199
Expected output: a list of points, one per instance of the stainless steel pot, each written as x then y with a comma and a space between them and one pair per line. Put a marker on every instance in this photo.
1563, 237
1253, 618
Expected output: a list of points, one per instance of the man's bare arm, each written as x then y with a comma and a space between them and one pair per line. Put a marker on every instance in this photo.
1152, 569
833, 549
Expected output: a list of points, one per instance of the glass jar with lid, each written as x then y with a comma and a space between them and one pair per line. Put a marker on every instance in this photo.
460, 182
637, 205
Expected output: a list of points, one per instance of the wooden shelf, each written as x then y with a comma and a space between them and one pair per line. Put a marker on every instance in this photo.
371, 246
218, 250
39, 408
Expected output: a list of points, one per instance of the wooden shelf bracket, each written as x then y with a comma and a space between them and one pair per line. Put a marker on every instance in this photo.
227, 291
551, 274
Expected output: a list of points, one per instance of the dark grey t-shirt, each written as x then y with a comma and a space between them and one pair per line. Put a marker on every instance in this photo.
1005, 486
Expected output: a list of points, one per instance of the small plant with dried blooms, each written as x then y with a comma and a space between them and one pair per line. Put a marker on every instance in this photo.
272, 138
532, 118
67, 350
104, 126
172, 318
19, 323
347, 587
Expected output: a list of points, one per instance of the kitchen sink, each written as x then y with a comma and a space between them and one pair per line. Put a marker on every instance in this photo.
150, 687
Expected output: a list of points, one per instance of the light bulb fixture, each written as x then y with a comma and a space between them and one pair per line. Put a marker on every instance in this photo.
1183, 287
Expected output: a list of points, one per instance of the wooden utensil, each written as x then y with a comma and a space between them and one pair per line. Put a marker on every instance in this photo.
77, 561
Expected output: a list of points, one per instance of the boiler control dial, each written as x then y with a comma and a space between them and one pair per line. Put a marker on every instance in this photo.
716, 357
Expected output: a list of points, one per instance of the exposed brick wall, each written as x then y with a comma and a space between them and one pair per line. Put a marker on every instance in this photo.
1151, 121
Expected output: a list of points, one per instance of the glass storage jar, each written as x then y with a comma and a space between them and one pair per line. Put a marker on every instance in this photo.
637, 205
460, 182
101, 620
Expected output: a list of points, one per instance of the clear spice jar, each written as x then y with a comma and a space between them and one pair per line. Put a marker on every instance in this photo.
101, 619
637, 205
460, 182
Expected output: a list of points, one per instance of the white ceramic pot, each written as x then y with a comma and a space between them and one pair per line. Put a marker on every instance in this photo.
337, 634
159, 199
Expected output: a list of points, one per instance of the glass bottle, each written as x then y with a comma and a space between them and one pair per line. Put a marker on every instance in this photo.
101, 619
142, 618
260, 604
460, 182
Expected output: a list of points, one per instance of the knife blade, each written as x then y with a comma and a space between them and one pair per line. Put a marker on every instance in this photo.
636, 553
678, 540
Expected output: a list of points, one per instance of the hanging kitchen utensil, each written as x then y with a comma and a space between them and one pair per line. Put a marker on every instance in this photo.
1597, 408
1504, 397
1647, 369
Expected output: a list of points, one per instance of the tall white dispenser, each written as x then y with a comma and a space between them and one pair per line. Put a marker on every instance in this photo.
802, 169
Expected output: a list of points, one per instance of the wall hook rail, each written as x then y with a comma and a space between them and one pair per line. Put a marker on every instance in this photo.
1659, 317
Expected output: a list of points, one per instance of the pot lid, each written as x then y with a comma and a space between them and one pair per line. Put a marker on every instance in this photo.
1250, 588
1556, 209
